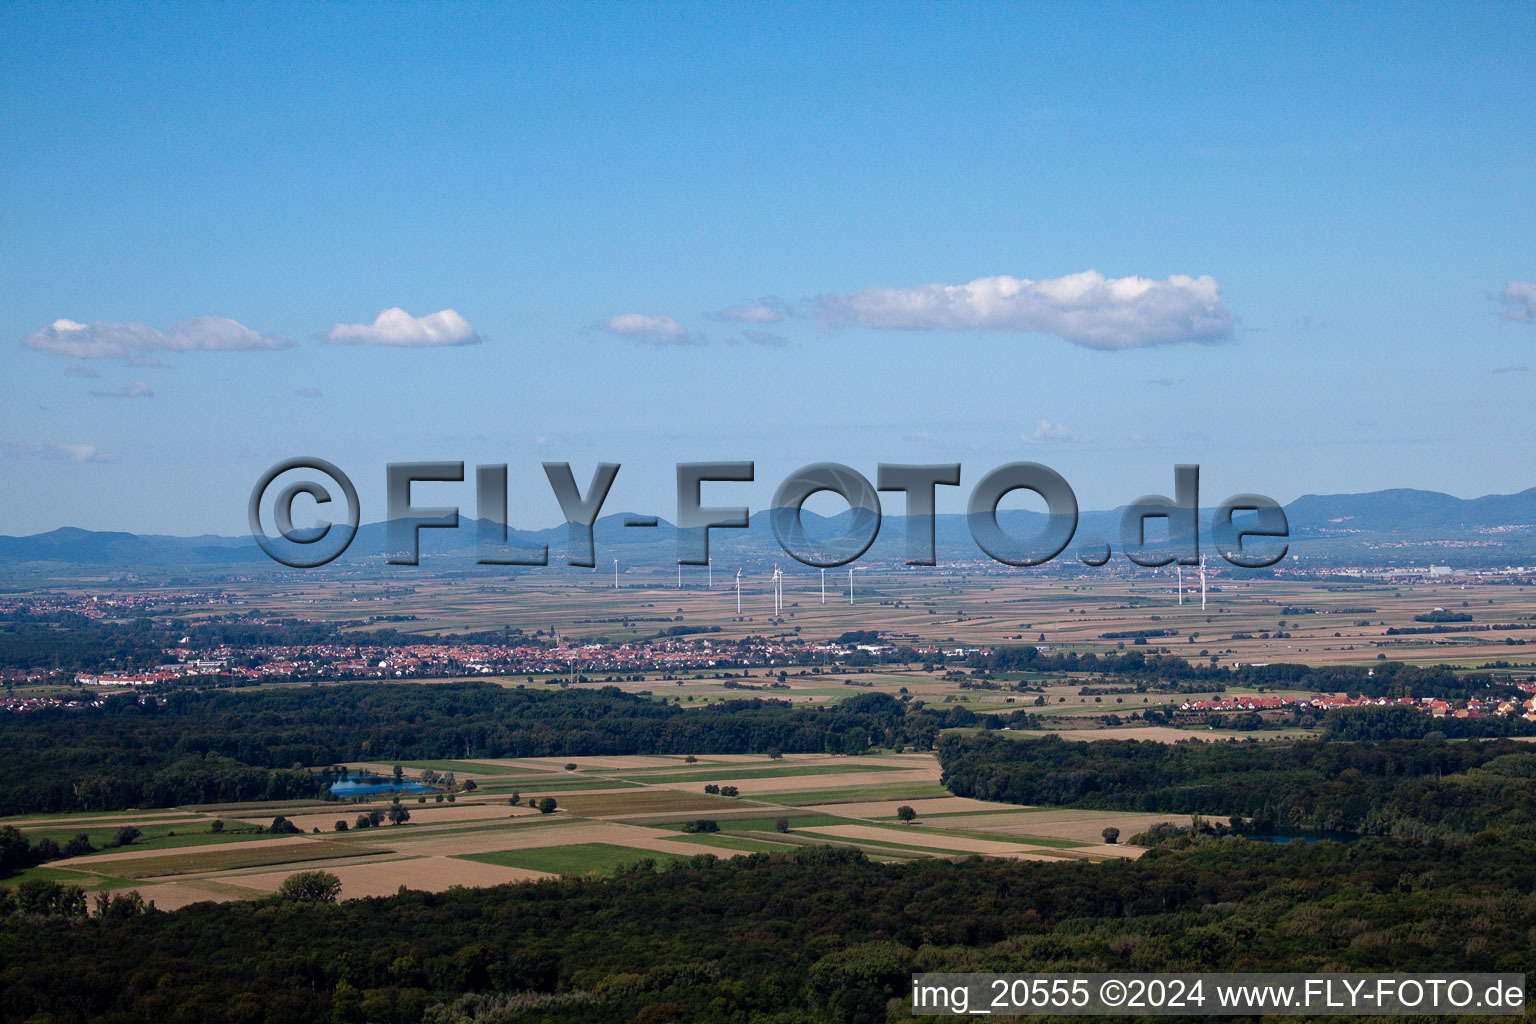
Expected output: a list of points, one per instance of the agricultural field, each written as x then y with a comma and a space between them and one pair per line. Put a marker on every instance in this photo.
1326, 622
481, 839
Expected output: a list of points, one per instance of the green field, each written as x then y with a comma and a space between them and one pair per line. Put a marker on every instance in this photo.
155, 837
89, 881
731, 842
571, 860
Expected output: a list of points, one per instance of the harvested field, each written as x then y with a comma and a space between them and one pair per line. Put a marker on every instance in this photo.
932, 805
642, 801
903, 792
421, 814
175, 895
384, 878
1083, 826
736, 772
808, 783
920, 840
231, 858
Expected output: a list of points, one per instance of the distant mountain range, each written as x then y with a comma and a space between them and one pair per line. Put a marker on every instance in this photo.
1398, 527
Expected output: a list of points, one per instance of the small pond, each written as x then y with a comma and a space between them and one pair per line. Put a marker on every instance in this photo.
371, 785
1307, 837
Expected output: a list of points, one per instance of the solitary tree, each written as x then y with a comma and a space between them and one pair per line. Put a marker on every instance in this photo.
399, 774
514, 799
126, 836
905, 813
547, 805
216, 826
341, 825
782, 825
1111, 834
398, 815
310, 887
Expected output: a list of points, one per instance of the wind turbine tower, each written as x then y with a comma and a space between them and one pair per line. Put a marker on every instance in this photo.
1180, 568
1202, 583
850, 584
823, 586
615, 574
738, 591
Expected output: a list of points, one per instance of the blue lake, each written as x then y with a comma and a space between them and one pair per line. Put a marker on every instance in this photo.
370, 785
1308, 837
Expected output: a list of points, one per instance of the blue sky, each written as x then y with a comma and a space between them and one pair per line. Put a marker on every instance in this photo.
590, 187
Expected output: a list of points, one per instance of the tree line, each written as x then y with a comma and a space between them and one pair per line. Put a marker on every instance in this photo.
227, 746
1396, 787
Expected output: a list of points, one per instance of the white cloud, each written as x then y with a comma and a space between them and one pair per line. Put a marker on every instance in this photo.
1045, 430
83, 453
764, 311
56, 452
105, 339
1086, 309
397, 327
309, 392
138, 389
1519, 299
652, 330
81, 370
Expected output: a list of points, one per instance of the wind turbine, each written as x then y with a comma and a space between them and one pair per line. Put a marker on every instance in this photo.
738, 591
778, 591
823, 586
1180, 568
615, 574
711, 574
850, 584
1202, 583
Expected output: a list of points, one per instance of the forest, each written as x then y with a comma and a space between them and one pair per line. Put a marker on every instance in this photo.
1404, 788
823, 935
221, 746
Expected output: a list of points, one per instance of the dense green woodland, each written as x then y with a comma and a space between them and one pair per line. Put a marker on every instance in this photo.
1397, 787
822, 936
221, 746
